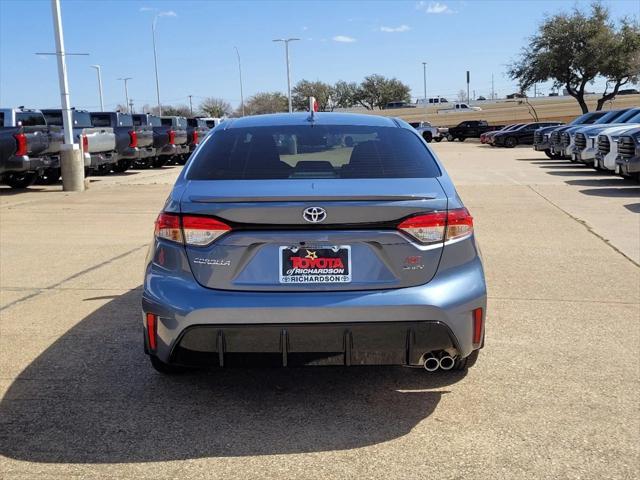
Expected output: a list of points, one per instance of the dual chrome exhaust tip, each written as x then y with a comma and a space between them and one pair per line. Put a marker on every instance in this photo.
440, 362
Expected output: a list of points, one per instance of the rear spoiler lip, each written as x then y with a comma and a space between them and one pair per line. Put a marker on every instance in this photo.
312, 198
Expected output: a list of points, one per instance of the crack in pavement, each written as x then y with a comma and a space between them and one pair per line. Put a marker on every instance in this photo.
585, 225
71, 277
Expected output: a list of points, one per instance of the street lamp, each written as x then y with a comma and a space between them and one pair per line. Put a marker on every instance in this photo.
99, 71
240, 72
126, 92
286, 50
155, 60
424, 78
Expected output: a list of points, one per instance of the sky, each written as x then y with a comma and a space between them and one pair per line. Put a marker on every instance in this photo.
339, 40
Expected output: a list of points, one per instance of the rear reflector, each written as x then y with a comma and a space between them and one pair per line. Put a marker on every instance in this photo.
438, 227
151, 331
201, 231
190, 229
477, 326
21, 144
168, 227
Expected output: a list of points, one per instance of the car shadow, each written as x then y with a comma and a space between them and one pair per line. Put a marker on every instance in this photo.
600, 182
633, 207
613, 192
92, 397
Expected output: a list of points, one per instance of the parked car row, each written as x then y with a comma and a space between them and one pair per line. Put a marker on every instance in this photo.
516, 134
607, 141
31, 141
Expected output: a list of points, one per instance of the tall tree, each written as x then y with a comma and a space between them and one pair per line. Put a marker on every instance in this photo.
344, 94
215, 107
573, 49
266, 102
377, 90
176, 110
304, 89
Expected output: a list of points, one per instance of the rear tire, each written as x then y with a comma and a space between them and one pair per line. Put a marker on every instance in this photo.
510, 142
548, 153
467, 362
20, 180
438, 139
427, 137
50, 176
121, 166
166, 368
461, 139
159, 162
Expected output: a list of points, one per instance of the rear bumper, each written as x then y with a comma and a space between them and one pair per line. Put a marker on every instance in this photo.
250, 322
95, 160
22, 163
541, 147
171, 150
145, 152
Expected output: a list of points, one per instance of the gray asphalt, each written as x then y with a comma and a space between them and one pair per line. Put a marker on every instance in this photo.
554, 394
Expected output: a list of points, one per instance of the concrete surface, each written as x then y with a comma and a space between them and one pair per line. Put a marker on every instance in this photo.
554, 394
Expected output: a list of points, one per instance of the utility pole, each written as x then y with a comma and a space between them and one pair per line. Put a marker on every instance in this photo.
240, 72
190, 104
99, 70
155, 62
126, 91
468, 78
424, 80
131, 105
286, 52
71, 159
493, 94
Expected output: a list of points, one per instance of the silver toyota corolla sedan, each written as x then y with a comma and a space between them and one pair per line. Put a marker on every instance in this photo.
314, 239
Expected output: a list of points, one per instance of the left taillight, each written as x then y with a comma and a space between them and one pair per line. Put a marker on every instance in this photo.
21, 144
189, 229
133, 139
438, 227
85, 143
195, 137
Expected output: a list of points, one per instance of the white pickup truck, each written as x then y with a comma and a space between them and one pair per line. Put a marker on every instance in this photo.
427, 131
459, 107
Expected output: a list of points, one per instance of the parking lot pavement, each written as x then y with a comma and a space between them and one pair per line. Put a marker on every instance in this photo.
554, 394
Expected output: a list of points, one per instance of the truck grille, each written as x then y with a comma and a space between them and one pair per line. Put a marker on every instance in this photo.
554, 139
604, 147
565, 139
581, 141
626, 147
537, 138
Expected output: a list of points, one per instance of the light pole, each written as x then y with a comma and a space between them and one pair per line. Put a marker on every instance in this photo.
286, 52
99, 71
71, 161
240, 72
155, 60
424, 79
126, 91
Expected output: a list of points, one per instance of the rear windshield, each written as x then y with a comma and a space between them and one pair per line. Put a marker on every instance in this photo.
30, 119
309, 152
101, 119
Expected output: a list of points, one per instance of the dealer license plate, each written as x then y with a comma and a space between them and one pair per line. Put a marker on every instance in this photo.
325, 264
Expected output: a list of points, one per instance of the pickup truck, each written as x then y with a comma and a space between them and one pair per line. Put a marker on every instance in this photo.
132, 142
177, 148
459, 107
427, 131
27, 146
470, 129
98, 144
628, 159
160, 139
197, 129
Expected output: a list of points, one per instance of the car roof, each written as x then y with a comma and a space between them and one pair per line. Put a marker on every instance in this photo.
319, 118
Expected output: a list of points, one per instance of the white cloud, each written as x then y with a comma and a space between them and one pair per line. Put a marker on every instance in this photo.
343, 39
401, 28
146, 9
305, 28
168, 13
433, 7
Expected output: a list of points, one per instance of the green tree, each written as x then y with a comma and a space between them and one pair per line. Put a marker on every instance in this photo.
215, 107
377, 90
175, 110
266, 102
304, 89
344, 94
573, 49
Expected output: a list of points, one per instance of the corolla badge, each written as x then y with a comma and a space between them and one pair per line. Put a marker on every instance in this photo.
314, 214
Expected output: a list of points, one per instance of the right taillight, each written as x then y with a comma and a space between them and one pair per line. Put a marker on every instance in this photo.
438, 227
172, 137
133, 139
189, 229
21, 144
195, 137
85, 143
